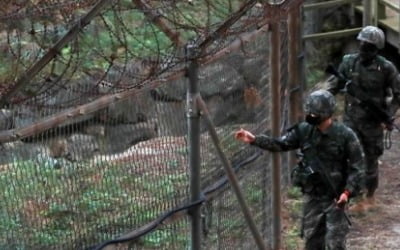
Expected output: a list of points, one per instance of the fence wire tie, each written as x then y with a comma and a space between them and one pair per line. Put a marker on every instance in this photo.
193, 110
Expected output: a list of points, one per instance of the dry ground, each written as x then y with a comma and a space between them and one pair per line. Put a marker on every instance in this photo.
380, 227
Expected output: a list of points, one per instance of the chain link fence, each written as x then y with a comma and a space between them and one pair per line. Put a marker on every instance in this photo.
95, 121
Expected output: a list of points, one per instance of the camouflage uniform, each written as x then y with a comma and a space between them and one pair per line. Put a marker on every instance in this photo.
378, 81
324, 225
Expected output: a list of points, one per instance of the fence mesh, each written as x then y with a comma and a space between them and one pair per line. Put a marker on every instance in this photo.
94, 129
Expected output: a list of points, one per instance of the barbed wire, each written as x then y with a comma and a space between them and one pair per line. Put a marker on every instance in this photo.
15, 10
134, 42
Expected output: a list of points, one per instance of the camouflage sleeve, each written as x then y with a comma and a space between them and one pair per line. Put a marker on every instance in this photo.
286, 142
356, 163
394, 82
334, 83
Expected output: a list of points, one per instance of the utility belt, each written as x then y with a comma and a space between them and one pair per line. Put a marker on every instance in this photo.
310, 181
361, 112
310, 174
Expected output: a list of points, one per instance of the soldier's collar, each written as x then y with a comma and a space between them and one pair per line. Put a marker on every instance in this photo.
328, 130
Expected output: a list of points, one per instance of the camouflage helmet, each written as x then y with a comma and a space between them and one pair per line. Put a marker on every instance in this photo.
372, 34
321, 103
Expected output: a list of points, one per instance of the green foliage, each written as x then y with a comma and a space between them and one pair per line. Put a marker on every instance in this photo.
291, 238
295, 198
294, 208
314, 76
294, 193
167, 237
45, 205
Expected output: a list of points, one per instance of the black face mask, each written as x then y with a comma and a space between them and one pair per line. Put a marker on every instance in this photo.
368, 52
314, 120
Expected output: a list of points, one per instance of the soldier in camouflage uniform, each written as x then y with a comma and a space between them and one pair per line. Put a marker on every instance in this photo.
371, 76
331, 150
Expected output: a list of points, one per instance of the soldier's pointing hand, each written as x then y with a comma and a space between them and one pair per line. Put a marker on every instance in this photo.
244, 136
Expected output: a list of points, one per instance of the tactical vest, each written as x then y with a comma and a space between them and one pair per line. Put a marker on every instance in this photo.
310, 174
370, 80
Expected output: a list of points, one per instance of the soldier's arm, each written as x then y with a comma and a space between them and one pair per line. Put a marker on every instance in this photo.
356, 163
335, 84
394, 82
289, 141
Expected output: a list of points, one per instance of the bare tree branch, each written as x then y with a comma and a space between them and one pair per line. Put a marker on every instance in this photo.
53, 52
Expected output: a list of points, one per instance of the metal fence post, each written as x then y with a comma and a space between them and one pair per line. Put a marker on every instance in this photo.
231, 175
193, 119
275, 127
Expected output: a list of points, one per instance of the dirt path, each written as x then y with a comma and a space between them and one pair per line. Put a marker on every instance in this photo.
380, 227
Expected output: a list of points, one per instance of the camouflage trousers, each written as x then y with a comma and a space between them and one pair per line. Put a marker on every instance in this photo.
371, 138
324, 225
